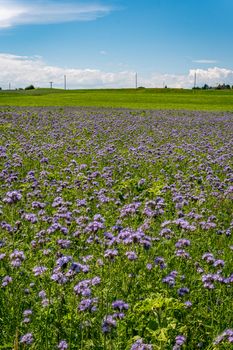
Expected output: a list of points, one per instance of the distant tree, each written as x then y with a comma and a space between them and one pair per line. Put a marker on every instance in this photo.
30, 87
205, 87
0, 88
223, 87
165, 87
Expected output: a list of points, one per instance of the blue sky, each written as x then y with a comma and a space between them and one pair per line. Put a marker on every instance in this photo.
102, 43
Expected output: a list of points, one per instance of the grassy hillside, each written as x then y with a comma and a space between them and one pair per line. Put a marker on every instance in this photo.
128, 98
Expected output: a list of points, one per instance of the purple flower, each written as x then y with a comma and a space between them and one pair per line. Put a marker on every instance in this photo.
42, 294
64, 243
39, 270
81, 202
16, 263
63, 261
85, 304
120, 305
26, 320
94, 226
180, 340
141, 182
159, 261
45, 302
139, 345
59, 277
182, 291
12, 197
77, 267
31, 218
170, 279
110, 253
16, 258
219, 263
27, 313
108, 324
2, 256
6, 280
149, 266
58, 201
182, 253
188, 304
27, 339
44, 160
6, 227
83, 288
62, 345
88, 304
227, 335
131, 255
182, 243
38, 205
209, 285
17, 254
96, 280
208, 257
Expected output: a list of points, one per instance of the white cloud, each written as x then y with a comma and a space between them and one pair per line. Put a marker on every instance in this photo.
18, 12
211, 76
103, 52
204, 61
24, 70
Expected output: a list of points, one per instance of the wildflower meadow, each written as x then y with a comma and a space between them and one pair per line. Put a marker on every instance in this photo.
115, 229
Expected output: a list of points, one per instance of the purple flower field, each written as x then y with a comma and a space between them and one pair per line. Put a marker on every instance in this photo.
116, 229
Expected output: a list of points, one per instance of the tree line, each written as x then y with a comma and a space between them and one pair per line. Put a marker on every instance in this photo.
218, 87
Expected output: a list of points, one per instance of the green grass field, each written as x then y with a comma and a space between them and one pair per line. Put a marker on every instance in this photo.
213, 100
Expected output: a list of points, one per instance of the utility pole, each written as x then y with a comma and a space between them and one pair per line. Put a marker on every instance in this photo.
64, 82
9, 86
195, 80
51, 84
136, 80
